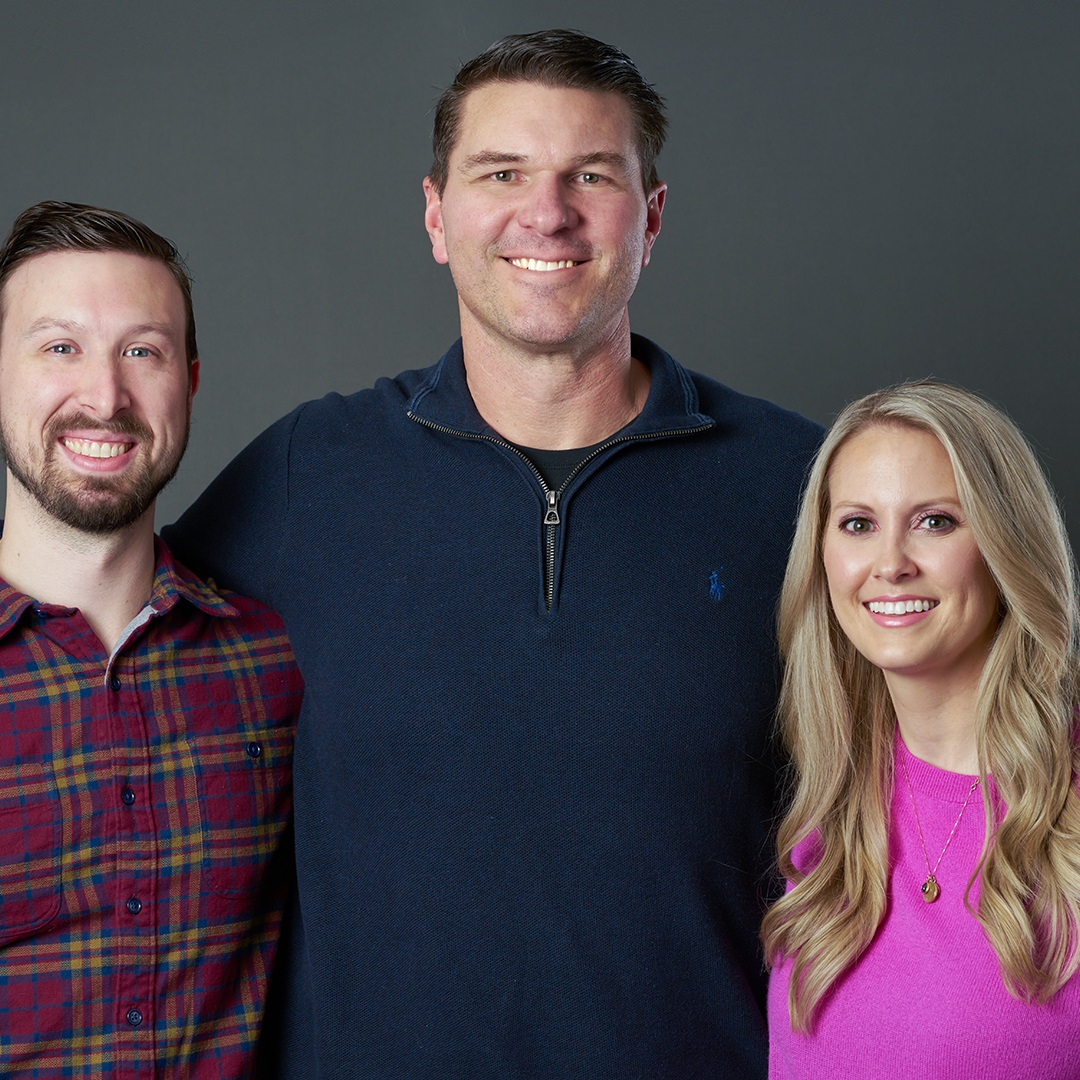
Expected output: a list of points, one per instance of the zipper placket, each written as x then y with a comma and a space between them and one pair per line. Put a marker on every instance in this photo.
552, 519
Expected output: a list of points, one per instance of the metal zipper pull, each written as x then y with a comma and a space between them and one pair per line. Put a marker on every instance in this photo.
552, 515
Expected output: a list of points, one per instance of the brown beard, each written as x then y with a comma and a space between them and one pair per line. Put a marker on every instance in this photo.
92, 504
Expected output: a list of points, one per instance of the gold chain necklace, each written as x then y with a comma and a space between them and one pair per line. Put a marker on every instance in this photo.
930, 888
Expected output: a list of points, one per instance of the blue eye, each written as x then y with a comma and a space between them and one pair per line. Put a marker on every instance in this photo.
60, 349
140, 352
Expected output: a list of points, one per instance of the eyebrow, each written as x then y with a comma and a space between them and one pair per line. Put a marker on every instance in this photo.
610, 158
49, 322
854, 506
163, 329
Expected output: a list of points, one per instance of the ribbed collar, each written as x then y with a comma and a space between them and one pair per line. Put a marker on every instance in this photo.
672, 404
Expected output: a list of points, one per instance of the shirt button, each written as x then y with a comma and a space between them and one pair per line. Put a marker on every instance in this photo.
127, 795
134, 1017
114, 682
134, 905
254, 749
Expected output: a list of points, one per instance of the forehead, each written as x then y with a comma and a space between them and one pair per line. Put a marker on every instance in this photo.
891, 461
95, 286
518, 116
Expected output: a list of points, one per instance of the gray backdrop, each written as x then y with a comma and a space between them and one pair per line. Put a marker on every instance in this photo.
859, 192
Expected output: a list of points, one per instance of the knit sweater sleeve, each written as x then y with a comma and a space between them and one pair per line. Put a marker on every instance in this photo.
234, 530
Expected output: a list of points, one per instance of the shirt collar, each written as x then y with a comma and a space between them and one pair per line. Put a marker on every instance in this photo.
172, 582
672, 405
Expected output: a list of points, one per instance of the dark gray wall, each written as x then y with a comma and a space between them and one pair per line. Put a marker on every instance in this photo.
859, 192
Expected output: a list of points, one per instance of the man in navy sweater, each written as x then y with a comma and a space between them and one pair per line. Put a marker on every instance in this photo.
531, 592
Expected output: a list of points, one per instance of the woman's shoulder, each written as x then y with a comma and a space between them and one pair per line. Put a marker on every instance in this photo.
807, 853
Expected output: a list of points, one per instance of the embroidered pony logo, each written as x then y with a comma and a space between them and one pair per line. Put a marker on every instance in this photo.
716, 586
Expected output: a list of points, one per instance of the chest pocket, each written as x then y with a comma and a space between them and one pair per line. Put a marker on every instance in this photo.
30, 837
245, 802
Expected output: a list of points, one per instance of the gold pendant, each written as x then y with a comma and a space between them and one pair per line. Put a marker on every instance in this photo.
930, 890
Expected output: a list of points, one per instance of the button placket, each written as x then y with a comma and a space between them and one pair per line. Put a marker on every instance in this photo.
137, 842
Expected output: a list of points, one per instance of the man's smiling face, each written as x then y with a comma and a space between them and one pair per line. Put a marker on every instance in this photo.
543, 219
95, 387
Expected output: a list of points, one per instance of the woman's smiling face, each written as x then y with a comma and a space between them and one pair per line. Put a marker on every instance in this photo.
906, 579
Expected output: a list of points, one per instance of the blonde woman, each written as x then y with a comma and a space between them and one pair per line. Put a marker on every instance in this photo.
932, 847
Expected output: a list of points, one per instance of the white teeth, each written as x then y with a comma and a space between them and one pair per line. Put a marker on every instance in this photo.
89, 448
900, 607
539, 264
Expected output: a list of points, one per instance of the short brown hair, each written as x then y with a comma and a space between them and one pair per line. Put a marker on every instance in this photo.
65, 226
556, 58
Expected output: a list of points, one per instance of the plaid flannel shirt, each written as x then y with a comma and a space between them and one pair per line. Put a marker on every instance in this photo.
144, 799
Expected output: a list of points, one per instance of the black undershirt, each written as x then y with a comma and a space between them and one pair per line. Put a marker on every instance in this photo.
556, 465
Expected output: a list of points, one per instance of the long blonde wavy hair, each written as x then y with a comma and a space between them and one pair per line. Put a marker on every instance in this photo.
838, 723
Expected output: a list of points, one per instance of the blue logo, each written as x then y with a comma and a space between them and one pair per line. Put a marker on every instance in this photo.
716, 586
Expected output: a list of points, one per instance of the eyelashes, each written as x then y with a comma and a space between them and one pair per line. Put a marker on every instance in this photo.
929, 521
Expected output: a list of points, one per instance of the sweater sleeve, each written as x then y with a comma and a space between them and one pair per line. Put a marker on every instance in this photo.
234, 530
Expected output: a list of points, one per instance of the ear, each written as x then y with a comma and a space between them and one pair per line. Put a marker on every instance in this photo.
433, 221
654, 208
193, 380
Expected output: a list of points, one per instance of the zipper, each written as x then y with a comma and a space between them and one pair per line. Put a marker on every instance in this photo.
551, 519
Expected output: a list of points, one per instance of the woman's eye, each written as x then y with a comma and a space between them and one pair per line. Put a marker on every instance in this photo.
936, 522
855, 525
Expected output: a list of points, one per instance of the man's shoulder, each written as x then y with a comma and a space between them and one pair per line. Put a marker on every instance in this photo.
240, 645
309, 467
388, 397
207, 596
757, 416
736, 414
318, 436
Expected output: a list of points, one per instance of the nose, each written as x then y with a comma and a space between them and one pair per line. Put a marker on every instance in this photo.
546, 207
103, 389
893, 560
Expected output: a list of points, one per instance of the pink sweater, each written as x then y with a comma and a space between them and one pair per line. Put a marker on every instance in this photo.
926, 999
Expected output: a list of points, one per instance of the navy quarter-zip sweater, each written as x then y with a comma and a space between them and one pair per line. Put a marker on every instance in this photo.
533, 780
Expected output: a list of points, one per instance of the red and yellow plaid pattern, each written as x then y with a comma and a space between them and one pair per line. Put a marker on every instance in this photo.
144, 797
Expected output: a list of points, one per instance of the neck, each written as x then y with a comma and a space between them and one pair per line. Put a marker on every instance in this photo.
556, 400
107, 577
937, 723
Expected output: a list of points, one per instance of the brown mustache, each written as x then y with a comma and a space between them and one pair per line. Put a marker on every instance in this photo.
121, 425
